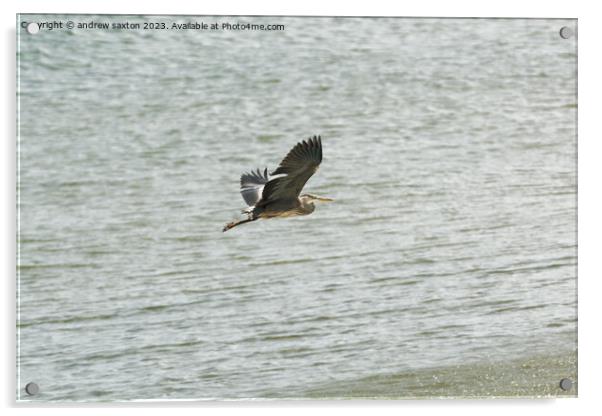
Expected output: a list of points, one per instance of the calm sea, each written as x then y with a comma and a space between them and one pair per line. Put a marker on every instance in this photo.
446, 266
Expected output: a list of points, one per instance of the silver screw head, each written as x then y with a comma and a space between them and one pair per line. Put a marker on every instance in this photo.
566, 32
566, 384
33, 28
32, 389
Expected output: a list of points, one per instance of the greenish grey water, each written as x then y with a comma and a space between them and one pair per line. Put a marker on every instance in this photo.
536, 376
449, 254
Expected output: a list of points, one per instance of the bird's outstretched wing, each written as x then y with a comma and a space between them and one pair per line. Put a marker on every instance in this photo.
251, 185
298, 165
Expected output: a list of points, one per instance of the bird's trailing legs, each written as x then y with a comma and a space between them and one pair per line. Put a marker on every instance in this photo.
237, 222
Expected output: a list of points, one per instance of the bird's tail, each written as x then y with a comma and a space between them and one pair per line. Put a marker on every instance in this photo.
235, 223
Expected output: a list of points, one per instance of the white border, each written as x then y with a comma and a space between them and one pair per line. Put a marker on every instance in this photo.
590, 187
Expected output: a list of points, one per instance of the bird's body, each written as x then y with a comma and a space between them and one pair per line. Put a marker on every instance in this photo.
285, 208
278, 194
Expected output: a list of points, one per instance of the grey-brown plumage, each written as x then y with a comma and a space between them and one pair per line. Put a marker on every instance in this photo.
278, 194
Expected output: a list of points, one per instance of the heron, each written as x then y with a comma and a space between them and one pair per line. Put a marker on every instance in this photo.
278, 195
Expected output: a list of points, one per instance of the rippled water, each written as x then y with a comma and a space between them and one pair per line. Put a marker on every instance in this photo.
446, 266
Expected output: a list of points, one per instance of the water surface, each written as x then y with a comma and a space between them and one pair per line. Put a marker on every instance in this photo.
449, 146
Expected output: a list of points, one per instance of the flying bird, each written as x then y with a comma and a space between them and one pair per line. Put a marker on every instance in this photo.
278, 194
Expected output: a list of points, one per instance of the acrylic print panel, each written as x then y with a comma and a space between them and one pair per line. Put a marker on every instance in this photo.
444, 267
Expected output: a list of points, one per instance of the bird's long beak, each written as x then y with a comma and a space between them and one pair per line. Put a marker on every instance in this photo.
324, 199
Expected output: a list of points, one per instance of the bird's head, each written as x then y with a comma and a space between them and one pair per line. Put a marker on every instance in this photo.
314, 198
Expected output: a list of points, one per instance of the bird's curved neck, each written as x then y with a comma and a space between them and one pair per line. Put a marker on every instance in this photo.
307, 205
